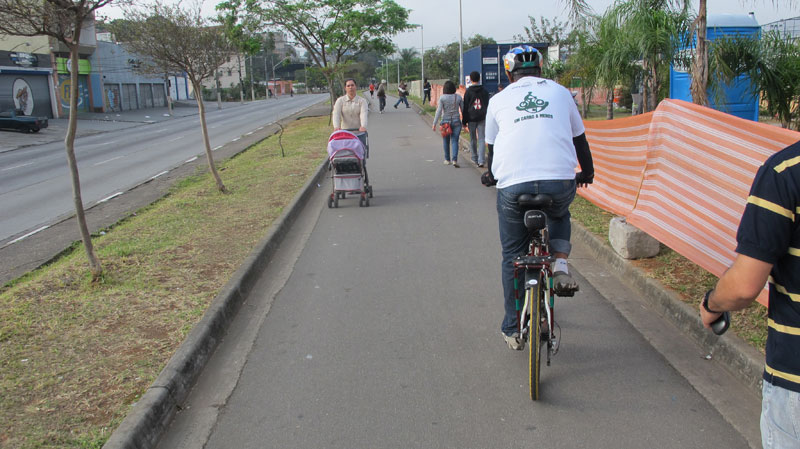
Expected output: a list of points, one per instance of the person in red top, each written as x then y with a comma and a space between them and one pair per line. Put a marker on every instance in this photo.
371, 90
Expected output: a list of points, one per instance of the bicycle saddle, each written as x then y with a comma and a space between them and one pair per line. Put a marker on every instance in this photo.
539, 201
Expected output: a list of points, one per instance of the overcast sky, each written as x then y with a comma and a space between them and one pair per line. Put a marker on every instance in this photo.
502, 19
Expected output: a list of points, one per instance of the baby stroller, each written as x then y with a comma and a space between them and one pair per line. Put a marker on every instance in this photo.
347, 154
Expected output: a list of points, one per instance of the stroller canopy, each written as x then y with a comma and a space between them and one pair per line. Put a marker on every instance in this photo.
345, 140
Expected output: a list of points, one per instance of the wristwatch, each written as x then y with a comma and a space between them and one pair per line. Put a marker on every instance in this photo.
705, 302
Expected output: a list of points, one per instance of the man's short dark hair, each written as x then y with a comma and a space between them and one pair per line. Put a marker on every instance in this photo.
475, 76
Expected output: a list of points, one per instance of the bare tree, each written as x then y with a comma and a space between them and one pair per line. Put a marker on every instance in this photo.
62, 20
178, 40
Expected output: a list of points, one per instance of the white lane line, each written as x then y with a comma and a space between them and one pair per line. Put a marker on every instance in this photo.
234, 140
108, 160
109, 197
28, 235
260, 128
217, 148
160, 174
177, 138
251, 132
17, 166
191, 160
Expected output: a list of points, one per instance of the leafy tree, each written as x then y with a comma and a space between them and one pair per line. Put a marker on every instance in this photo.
332, 31
63, 20
177, 40
241, 31
442, 62
651, 32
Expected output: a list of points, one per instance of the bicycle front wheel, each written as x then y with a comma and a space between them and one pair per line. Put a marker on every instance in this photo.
534, 295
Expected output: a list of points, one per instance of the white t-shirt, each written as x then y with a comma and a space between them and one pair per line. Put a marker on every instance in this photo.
531, 124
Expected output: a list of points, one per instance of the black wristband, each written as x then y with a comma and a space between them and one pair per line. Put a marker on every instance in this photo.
705, 302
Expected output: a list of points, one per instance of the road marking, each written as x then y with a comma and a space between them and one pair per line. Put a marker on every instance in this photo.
109, 160
191, 160
17, 166
110, 197
177, 138
234, 140
251, 132
217, 148
160, 174
27, 235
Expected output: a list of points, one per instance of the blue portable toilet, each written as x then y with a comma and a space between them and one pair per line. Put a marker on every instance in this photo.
739, 98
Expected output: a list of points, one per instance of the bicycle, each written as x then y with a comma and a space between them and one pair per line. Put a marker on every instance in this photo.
537, 313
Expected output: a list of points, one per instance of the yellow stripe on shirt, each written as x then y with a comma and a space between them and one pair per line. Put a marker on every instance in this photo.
791, 330
781, 289
787, 163
770, 206
782, 375
794, 252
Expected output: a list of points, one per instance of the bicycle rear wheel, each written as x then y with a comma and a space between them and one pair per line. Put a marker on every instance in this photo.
534, 295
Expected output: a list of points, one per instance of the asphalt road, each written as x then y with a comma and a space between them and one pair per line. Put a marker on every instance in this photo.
379, 327
35, 186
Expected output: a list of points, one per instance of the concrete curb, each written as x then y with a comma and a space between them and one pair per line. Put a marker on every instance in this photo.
151, 415
739, 357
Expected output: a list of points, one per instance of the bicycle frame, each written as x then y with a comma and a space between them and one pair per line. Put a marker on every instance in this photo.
535, 265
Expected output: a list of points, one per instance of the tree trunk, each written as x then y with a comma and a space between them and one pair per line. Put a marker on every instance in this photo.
331, 81
241, 83
610, 104
69, 143
211, 166
252, 80
699, 87
216, 89
655, 88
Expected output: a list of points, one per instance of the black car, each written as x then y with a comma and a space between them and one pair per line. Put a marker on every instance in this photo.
16, 119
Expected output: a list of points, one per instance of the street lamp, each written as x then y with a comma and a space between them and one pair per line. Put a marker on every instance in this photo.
27, 44
460, 48
273, 70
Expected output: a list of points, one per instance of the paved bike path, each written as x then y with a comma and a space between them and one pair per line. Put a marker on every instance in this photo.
386, 334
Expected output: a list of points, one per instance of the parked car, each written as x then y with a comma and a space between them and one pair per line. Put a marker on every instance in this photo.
16, 119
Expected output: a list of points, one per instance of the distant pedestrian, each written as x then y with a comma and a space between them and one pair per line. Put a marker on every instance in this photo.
426, 91
402, 92
382, 96
473, 116
450, 104
371, 90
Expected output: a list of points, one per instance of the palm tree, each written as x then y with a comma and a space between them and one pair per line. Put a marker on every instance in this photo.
652, 31
773, 65
408, 60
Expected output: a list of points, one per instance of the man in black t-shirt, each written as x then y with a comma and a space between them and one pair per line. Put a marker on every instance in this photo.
768, 249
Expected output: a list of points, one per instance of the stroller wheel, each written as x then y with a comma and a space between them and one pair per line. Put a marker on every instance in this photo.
369, 189
330, 201
366, 201
361, 202
336, 201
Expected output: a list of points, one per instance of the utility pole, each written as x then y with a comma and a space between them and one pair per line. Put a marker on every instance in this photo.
461, 48
422, 59
252, 80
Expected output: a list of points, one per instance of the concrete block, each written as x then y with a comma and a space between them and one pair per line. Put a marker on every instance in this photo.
630, 242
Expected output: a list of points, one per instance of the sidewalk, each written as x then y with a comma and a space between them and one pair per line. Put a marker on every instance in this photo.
90, 123
412, 195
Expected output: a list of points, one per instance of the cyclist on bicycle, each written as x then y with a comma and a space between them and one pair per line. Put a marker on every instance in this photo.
536, 139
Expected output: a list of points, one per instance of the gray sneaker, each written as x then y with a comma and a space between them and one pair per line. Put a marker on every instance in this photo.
564, 285
514, 341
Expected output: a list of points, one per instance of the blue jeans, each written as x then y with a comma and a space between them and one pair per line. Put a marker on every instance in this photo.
477, 141
780, 417
402, 100
514, 236
450, 142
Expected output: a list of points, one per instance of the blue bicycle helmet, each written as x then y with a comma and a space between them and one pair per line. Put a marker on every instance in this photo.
522, 57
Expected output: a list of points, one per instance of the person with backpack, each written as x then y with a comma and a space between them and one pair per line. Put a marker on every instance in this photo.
473, 116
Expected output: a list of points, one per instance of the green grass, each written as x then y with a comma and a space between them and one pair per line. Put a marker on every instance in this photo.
76, 354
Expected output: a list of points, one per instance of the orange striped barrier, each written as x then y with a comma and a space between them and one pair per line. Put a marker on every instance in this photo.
695, 166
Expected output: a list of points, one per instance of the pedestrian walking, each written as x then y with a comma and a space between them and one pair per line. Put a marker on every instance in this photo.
768, 250
448, 109
473, 116
402, 92
426, 91
382, 96
372, 90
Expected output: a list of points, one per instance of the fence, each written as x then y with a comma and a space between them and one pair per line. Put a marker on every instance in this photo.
682, 174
